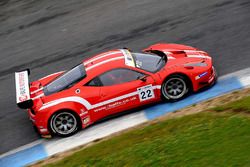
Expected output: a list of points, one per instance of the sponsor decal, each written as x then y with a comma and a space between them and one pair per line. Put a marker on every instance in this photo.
119, 103
138, 64
115, 104
23, 98
86, 120
83, 112
201, 75
22, 86
100, 109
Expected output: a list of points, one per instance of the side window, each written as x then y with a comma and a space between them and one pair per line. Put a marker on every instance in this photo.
114, 77
94, 82
119, 76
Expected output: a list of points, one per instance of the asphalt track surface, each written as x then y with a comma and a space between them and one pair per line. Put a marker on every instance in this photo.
48, 36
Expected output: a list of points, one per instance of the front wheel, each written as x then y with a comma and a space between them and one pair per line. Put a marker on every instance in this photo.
174, 88
64, 123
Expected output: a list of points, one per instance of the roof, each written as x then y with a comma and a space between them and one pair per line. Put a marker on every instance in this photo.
109, 60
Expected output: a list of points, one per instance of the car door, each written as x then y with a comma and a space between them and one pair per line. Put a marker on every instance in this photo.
90, 95
122, 89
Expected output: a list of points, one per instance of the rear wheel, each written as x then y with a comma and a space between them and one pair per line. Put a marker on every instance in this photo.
175, 87
64, 123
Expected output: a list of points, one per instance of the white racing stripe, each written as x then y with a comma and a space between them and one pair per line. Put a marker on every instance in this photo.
101, 56
51, 75
67, 99
36, 90
194, 51
168, 54
170, 57
199, 56
85, 103
156, 87
196, 54
105, 61
41, 95
114, 99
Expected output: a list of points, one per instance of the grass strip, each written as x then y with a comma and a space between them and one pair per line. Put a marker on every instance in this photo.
242, 105
203, 139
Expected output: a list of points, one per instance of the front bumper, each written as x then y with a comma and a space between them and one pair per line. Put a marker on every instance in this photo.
214, 76
211, 79
205, 81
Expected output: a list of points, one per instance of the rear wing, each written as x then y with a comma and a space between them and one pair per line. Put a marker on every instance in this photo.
22, 89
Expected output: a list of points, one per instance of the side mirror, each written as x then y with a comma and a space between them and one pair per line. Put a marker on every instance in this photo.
143, 78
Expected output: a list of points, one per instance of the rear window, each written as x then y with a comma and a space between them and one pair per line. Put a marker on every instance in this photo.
66, 80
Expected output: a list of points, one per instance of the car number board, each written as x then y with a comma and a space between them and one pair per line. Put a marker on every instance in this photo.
146, 92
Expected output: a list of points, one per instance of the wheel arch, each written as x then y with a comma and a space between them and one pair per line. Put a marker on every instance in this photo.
63, 110
187, 77
71, 106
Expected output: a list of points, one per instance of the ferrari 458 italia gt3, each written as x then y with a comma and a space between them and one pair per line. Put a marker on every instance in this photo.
112, 82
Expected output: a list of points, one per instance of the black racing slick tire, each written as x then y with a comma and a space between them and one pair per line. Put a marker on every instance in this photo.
175, 88
64, 123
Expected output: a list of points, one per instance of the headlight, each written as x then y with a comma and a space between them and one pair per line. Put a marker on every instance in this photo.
198, 64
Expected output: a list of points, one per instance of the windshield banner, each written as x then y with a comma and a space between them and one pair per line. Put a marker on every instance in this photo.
129, 61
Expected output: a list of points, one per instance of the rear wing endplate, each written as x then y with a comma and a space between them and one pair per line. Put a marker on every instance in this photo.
22, 89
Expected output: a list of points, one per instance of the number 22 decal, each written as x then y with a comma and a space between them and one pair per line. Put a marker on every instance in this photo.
146, 92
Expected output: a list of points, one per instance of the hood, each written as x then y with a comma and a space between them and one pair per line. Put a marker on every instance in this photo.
179, 54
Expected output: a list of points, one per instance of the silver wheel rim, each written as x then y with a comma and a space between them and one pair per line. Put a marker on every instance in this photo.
174, 88
64, 123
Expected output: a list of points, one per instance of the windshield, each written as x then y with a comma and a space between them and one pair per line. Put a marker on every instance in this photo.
149, 62
66, 80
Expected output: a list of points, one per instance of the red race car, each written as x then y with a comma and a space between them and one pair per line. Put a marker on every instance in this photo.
111, 82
